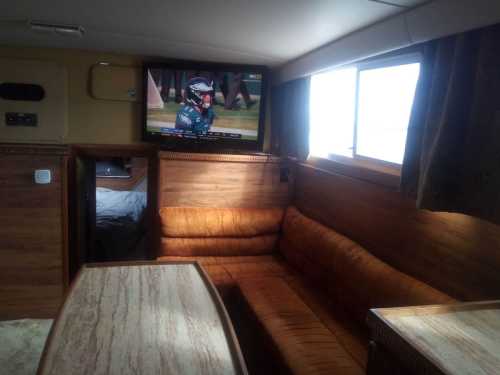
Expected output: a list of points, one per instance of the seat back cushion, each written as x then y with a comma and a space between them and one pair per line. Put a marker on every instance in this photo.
199, 231
353, 277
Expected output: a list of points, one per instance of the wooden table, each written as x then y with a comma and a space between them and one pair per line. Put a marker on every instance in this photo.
441, 339
142, 318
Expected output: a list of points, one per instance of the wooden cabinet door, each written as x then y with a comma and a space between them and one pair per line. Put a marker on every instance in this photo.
32, 236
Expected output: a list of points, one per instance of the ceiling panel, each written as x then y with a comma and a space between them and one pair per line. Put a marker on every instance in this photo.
259, 31
402, 3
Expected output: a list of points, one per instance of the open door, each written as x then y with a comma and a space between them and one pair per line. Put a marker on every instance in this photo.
84, 214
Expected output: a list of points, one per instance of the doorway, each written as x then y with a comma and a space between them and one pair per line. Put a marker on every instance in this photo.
120, 227
113, 203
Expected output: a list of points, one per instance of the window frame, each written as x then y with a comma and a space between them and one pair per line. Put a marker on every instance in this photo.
362, 161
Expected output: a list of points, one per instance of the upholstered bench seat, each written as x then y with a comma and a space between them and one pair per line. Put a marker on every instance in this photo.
271, 272
309, 289
226, 271
305, 344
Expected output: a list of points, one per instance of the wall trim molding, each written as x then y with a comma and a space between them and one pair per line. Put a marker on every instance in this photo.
367, 172
231, 158
33, 149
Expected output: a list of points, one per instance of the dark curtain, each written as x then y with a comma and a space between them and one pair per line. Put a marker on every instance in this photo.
290, 118
452, 159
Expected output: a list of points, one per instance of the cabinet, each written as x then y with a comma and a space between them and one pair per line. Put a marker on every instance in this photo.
33, 231
460, 338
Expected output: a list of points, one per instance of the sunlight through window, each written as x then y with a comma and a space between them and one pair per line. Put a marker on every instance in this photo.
363, 111
384, 107
332, 109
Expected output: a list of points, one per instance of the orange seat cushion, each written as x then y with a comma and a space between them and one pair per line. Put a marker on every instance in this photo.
199, 222
312, 297
226, 271
218, 246
305, 345
194, 231
354, 337
241, 267
352, 277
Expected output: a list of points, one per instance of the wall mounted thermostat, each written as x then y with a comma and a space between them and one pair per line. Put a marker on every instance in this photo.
43, 176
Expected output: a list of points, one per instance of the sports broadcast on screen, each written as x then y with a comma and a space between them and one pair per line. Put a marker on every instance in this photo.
211, 105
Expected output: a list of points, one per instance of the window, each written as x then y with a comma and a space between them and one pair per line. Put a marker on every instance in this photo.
362, 112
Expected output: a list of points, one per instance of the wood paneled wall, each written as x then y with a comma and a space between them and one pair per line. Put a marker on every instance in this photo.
211, 180
455, 253
33, 232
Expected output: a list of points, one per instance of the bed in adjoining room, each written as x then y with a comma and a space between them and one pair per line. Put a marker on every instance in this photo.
120, 227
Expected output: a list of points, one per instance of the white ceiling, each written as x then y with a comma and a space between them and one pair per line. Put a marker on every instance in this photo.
268, 32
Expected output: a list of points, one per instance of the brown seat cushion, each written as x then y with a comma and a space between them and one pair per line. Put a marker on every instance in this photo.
305, 345
193, 231
354, 337
350, 275
226, 271
312, 301
195, 222
241, 267
219, 246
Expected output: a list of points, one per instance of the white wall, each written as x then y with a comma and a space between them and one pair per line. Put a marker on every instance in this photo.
433, 20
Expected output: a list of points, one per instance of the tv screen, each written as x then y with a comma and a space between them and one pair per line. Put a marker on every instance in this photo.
190, 105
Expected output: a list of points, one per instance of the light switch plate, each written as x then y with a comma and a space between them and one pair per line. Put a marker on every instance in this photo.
43, 176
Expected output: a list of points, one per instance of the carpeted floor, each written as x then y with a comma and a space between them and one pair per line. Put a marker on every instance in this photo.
21, 345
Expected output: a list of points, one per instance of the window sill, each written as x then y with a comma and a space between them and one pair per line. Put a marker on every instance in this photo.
361, 169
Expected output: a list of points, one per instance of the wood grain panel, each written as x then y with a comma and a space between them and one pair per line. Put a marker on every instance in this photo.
441, 339
32, 235
142, 319
455, 253
221, 182
236, 158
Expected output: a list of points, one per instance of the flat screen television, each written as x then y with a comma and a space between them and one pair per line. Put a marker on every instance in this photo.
197, 106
